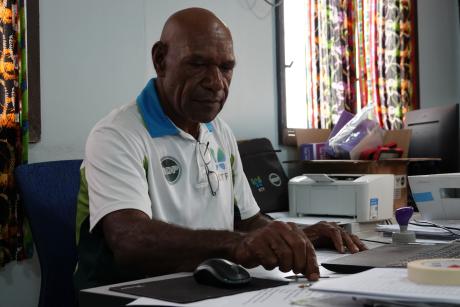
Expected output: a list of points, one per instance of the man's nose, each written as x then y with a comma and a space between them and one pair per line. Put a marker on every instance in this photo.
214, 79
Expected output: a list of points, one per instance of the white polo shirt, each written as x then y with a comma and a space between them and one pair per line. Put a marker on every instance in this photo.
136, 158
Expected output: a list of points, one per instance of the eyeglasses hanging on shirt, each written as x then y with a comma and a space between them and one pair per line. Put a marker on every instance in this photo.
212, 176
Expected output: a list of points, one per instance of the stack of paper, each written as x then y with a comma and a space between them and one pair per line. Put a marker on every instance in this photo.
309, 220
389, 284
420, 231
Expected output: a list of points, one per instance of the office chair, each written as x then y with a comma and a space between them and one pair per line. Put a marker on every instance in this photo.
49, 195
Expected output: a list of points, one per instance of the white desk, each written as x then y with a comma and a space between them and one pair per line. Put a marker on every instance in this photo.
102, 296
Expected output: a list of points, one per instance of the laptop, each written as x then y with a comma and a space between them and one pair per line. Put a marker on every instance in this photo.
391, 256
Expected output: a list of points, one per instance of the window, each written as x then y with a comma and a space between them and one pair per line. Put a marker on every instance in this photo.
342, 55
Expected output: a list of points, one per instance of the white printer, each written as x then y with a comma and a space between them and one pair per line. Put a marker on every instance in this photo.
364, 197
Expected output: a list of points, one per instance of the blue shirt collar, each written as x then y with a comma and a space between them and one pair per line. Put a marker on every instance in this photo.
157, 122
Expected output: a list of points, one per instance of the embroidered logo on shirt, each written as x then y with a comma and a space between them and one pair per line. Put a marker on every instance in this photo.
171, 169
219, 159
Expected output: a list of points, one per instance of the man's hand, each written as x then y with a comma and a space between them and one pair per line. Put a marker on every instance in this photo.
278, 244
324, 234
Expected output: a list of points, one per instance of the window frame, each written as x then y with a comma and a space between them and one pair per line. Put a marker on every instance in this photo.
286, 136
33, 69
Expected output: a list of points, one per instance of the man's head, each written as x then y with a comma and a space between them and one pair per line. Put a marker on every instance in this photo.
194, 62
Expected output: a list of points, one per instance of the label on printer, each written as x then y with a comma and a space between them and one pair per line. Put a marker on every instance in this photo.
373, 208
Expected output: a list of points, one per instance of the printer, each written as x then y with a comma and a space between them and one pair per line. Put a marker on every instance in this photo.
363, 197
437, 196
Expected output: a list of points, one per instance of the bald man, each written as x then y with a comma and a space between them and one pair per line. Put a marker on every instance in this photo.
162, 184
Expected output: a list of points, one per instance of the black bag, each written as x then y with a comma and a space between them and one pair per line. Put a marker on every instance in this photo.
265, 174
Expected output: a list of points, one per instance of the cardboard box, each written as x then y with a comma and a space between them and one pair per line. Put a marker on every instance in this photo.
401, 137
305, 136
313, 151
397, 167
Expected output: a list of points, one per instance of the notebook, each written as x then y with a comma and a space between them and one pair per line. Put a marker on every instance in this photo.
391, 255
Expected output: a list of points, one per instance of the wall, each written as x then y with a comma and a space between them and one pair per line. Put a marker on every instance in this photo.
439, 52
83, 77
91, 60
95, 55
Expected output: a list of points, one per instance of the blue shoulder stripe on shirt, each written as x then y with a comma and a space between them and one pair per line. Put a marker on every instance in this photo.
158, 124
210, 127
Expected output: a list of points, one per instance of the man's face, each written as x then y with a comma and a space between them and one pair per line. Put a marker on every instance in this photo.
197, 77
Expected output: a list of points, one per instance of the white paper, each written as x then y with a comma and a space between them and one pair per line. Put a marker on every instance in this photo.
309, 220
450, 223
390, 284
144, 301
289, 295
419, 230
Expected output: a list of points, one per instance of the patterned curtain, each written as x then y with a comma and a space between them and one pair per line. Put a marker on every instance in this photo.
395, 59
330, 65
360, 52
13, 128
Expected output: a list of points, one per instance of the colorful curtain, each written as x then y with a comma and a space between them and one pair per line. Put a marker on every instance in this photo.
360, 52
13, 129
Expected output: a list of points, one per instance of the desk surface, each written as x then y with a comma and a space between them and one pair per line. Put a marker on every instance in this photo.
296, 291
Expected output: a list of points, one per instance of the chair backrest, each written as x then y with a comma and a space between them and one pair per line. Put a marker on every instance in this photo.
49, 195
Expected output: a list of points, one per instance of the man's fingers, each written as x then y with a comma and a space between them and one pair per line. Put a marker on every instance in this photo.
283, 245
335, 234
310, 263
342, 239
270, 248
351, 246
265, 254
255, 249
312, 269
297, 243
358, 242
325, 233
352, 242
282, 251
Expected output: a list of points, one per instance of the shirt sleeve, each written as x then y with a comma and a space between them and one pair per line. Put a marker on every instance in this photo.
243, 197
114, 170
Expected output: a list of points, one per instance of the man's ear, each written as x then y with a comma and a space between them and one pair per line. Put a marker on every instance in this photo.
159, 51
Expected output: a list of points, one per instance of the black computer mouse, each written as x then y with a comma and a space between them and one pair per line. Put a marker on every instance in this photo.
221, 273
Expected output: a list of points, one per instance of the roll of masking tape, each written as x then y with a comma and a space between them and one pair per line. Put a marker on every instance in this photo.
435, 271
